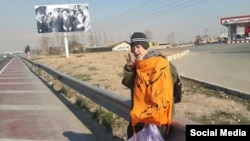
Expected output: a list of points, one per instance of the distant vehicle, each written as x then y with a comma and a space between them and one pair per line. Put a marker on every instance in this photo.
7, 56
237, 37
247, 38
224, 40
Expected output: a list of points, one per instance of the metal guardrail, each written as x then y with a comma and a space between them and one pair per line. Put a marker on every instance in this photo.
111, 101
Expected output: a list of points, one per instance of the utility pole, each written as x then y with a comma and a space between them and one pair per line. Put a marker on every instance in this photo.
172, 38
205, 35
221, 30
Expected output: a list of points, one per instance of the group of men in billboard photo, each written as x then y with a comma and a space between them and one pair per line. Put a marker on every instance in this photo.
62, 19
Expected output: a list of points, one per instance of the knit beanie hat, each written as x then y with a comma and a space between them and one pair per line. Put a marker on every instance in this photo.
138, 38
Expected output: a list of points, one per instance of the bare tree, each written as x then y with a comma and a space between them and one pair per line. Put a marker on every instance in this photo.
111, 39
105, 38
96, 39
148, 34
73, 37
60, 42
27, 49
100, 39
91, 40
45, 44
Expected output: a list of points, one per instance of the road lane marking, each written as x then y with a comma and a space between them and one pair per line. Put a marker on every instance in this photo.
9, 83
25, 91
14, 77
8, 139
30, 107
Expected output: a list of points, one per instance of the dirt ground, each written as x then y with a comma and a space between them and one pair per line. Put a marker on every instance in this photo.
198, 104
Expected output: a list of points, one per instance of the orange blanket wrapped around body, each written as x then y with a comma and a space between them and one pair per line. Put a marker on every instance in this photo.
153, 92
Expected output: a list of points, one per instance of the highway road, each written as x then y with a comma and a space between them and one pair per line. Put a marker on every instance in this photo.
226, 65
30, 111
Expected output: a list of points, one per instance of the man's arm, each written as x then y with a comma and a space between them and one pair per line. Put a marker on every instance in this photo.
128, 78
174, 72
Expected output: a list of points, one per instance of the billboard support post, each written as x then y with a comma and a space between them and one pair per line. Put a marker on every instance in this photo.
66, 45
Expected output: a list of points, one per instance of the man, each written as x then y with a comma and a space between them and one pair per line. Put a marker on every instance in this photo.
79, 23
72, 13
55, 21
66, 21
42, 26
150, 74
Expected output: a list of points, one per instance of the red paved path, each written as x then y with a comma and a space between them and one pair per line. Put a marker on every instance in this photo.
30, 111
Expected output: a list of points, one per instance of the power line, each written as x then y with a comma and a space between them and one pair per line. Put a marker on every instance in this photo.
133, 13
148, 12
124, 14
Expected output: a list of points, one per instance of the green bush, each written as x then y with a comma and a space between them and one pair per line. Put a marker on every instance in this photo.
105, 118
83, 77
39, 72
92, 68
83, 103
66, 92
108, 119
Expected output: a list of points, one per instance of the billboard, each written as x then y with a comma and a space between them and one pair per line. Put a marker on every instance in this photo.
235, 20
62, 18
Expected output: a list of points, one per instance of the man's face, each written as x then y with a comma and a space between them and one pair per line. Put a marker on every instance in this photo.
72, 13
79, 16
56, 13
139, 52
65, 14
41, 15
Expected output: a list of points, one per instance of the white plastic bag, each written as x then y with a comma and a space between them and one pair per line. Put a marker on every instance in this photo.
150, 132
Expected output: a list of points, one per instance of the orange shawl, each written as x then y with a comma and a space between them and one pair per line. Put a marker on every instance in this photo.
153, 92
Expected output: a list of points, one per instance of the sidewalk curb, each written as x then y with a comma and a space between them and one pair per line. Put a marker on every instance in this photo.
240, 94
178, 55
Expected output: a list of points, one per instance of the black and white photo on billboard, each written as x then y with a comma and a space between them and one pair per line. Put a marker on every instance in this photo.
62, 18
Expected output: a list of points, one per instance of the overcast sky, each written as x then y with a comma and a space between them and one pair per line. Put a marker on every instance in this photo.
184, 19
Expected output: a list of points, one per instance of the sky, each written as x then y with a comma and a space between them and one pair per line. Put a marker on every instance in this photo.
180, 20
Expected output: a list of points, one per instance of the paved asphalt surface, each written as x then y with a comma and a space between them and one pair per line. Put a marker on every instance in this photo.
29, 111
225, 65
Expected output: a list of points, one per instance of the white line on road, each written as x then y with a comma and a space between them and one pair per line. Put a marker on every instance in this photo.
9, 83
8, 139
26, 91
30, 107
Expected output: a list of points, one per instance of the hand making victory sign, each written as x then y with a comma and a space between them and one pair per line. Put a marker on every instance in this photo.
130, 64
